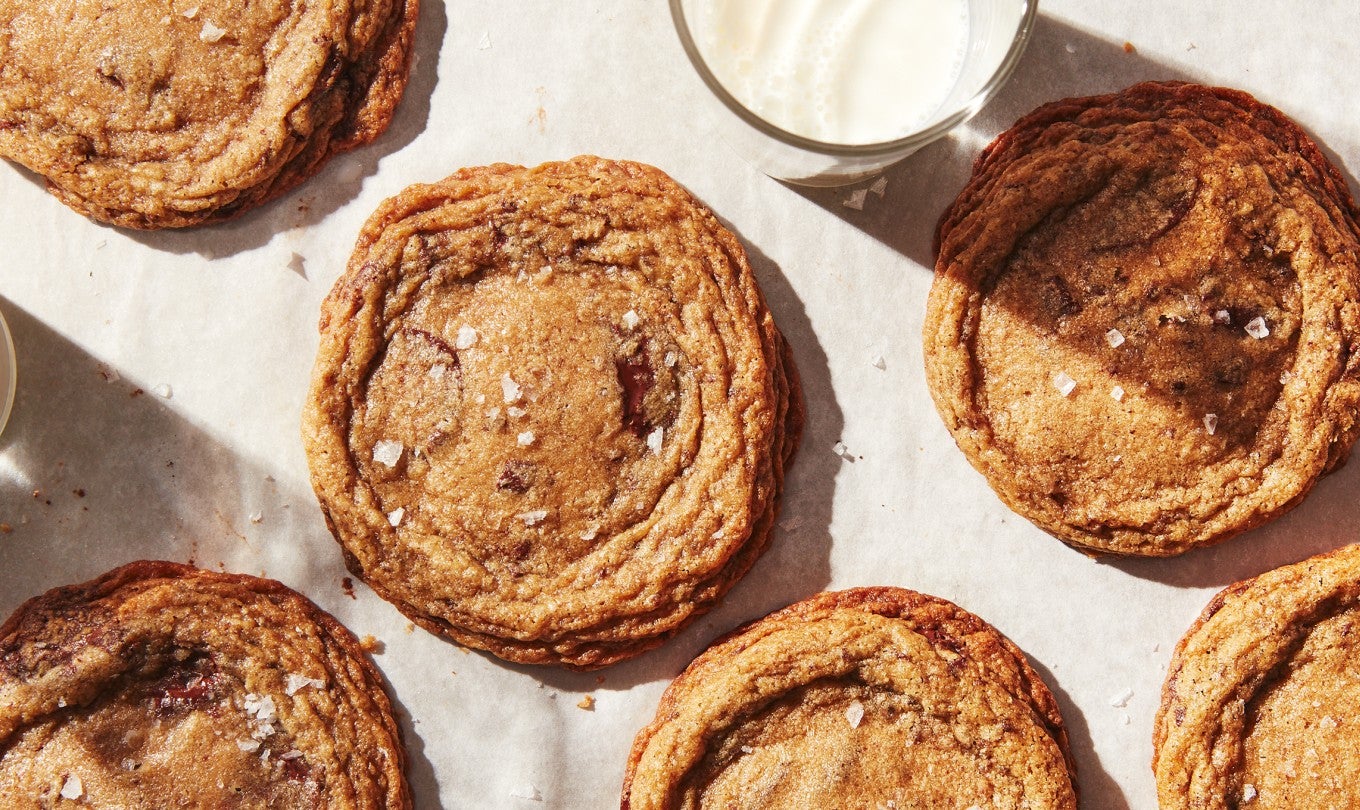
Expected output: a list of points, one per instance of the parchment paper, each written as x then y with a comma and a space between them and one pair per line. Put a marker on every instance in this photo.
162, 376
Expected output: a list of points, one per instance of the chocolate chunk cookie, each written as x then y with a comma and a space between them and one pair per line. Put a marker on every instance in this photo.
1144, 319
163, 115
1261, 703
550, 412
873, 697
160, 685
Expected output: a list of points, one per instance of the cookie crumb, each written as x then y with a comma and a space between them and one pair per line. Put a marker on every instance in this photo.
1064, 383
256, 516
371, 645
528, 792
1115, 338
1257, 328
587, 703
1128, 48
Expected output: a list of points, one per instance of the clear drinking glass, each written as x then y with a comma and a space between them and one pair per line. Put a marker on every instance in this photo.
997, 33
8, 372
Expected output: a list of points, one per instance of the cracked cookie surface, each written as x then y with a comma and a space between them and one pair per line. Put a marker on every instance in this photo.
870, 697
550, 412
165, 115
1144, 319
162, 685
1260, 702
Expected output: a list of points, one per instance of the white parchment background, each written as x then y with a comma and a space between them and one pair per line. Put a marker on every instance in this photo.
94, 474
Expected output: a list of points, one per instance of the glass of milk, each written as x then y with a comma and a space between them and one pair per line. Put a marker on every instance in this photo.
8, 372
825, 92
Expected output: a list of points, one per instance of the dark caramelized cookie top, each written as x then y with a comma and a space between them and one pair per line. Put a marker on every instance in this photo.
162, 115
161, 685
550, 411
1143, 318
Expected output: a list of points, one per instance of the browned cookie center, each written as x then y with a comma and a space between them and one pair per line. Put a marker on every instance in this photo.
1144, 329
549, 403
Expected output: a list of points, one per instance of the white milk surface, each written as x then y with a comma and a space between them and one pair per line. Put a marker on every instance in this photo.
838, 71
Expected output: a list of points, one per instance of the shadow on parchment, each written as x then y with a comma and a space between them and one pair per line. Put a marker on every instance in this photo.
97, 471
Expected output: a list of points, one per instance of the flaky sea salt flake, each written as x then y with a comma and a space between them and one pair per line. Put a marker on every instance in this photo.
1257, 328
879, 362
1222, 316
163, 391
856, 199
73, 788
1064, 383
189, 13
630, 319
1115, 338
1248, 793
1117, 393
296, 682
855, 714
485, 42
393, 519
880, 186
467, 337
1210, 423
249, 746
533, 517
211, 32
388, 452
510, 389
670, 359
1122, 699
654, 440
256, 516
526, 438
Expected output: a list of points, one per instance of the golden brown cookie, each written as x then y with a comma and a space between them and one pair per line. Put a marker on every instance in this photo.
160, 685
1143, 324
872, 697
1261, 706
164, 115
550, 412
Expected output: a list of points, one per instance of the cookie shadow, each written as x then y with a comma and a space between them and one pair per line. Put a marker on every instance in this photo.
97, 470
1060, 61
797, 563
1095, 787
338, 182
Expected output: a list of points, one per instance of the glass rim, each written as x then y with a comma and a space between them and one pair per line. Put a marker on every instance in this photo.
914, 140
9, 383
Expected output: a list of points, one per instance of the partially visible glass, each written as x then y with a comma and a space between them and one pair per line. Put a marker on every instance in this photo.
997, 34
9, 372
